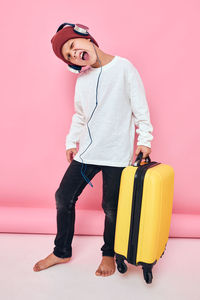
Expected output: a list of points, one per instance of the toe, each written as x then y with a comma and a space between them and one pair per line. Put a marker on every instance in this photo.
36, 268
98, 272
106, 273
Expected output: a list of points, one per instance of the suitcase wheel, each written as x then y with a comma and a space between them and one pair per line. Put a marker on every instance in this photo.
147, 271
148, 276
121, 266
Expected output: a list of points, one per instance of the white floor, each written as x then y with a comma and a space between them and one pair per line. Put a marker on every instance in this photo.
175, 276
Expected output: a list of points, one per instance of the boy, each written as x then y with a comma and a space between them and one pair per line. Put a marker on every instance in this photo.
121, 105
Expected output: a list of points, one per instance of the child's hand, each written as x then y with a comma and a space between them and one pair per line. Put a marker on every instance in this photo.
70, 154
144, 149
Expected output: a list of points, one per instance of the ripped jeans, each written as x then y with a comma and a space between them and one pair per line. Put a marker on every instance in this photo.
71, 186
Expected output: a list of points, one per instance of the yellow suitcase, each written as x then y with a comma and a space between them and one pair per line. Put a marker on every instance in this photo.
143, 214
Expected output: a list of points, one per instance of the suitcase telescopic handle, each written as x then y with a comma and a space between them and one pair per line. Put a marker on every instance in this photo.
139, 159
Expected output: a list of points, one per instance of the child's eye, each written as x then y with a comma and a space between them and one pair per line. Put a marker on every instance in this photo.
70, 48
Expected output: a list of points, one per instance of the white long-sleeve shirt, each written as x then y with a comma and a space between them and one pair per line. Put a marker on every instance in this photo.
122, 105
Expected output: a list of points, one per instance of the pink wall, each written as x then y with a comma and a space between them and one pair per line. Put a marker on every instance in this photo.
159, 37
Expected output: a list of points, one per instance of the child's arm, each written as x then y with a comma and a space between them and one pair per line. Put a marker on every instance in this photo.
141, 113
77, 124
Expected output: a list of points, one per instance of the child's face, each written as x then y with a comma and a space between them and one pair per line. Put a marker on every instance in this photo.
73, 48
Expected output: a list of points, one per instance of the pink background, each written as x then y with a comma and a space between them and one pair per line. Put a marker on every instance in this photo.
160, 38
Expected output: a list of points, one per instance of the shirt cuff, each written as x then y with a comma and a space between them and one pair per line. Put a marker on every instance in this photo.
70, 145
147, 144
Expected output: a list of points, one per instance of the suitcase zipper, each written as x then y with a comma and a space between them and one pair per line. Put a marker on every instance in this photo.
136, 210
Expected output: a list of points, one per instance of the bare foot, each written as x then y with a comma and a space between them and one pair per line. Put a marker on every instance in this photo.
106, 267
49, 261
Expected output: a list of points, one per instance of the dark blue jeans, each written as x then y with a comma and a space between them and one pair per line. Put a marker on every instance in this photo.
71, 186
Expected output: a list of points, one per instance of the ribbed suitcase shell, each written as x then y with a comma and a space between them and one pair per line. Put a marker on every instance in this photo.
142, 235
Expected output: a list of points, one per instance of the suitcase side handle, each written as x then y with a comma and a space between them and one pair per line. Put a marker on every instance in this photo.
139, 159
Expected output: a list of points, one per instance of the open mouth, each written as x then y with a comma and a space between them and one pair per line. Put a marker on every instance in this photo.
84, 55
